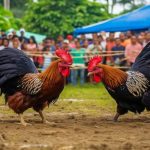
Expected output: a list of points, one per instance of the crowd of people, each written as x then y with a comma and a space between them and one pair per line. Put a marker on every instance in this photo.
125, 47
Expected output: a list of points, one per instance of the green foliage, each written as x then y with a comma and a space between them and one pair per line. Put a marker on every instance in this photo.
7, 20
53, 17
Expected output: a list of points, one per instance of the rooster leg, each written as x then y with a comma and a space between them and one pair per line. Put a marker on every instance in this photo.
42, 116
22, 120
44, 120
116, 117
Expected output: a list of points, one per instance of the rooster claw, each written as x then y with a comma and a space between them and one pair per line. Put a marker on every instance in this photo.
111, 119
25, 124
146, 121
49, 123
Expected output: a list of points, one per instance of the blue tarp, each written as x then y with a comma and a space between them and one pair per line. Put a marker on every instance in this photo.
136, 20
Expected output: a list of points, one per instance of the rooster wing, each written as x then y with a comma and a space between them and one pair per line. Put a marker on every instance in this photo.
14, 63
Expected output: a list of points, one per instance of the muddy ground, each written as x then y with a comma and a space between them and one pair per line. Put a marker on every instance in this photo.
75, 131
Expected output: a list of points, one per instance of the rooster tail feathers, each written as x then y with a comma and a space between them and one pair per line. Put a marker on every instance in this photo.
145, 50
142, 62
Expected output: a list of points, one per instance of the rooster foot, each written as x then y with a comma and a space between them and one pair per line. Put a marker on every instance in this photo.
111, 119
25, 124
22, 121
146, 121
116, 117
49, 123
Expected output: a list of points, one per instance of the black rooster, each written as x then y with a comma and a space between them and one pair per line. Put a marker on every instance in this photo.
131, 89
25, 88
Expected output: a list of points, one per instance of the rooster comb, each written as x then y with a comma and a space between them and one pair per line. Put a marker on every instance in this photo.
93, 62
65, 55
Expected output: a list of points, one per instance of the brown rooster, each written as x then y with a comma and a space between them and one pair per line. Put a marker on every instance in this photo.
25, 88
131, 89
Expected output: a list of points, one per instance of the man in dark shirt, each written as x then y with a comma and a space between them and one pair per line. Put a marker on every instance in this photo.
118, 47
22, 37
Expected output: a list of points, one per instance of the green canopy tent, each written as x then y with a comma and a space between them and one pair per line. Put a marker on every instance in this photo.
39, 38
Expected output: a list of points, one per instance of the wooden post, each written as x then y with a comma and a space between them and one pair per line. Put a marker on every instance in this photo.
7, 4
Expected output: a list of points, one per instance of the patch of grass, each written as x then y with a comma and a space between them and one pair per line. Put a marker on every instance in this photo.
88, 98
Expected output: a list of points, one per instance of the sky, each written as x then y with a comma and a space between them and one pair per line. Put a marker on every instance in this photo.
118, 8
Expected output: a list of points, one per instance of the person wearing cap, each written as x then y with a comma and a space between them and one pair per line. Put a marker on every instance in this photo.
22, 37
10, 36
65, 45
71, 41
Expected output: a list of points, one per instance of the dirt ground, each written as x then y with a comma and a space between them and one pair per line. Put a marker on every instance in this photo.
75, 131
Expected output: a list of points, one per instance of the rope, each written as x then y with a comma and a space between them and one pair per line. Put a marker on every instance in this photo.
102, 54
40, 52
54, 56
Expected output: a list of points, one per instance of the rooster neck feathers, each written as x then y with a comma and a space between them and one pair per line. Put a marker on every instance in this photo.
51, 74
34, 83
113, 77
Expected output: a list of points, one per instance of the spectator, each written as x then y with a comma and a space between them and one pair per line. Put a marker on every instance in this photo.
15, 42
109, 45
10, 36
147, 39
85, 44
71, 41
78, 61
65, 45
49, 44
118, 60
122, 39
3, 34
60, 40
14, 32
32, 44
94, 48
22, 37
102, 43
94, 36
47, 57
5, 43
141, 40
32, 47
132, 50
82, 39
128, 38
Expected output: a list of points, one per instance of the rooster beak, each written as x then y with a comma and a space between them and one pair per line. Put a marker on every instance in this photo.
89, 74
66, 65
71, 66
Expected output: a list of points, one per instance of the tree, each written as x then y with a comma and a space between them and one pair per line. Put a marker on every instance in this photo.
17, 7
7, 20
132, 5
53, 17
